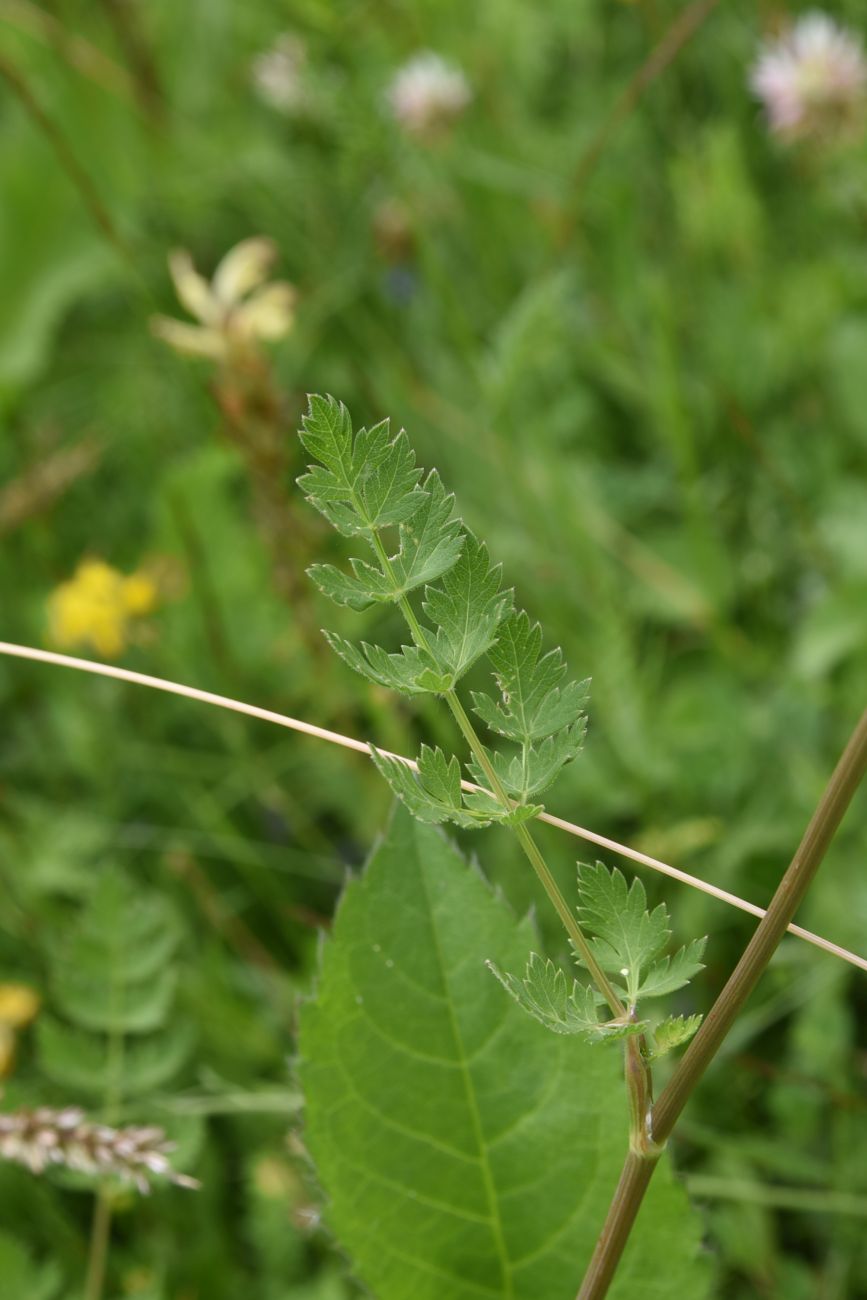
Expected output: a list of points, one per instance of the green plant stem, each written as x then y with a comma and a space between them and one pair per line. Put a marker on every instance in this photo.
536, 860
525, 839
790, 892
100, 1230
97, 1258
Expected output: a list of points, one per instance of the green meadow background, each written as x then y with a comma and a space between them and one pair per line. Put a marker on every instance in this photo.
635, 346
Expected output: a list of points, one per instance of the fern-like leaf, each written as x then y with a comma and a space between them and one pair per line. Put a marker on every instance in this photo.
545, 994
672, 1033
411, 672
433, 794
534, 704
364, 481
538, 766
466, 609
628, 940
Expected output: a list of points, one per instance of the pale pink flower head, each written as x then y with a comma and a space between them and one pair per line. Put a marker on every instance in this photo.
428, 93
812, 79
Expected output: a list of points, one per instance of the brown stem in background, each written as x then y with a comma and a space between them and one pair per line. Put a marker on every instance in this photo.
255, 420
75, 51
134, 43
66, 157
685, 25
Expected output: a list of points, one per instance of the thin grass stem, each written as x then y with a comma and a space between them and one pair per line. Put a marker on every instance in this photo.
38, 655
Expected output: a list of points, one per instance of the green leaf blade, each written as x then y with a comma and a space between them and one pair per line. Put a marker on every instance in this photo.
410, 672
434, 1104
546, 995
673, 1033
533, 703
626, 936
363, 482
672, 973
467, 608
430, 540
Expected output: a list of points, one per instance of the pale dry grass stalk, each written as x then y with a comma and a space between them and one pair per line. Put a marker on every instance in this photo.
362, 747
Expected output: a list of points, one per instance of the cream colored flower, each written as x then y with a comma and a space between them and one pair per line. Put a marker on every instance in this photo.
428, 93
278, 74
234, 309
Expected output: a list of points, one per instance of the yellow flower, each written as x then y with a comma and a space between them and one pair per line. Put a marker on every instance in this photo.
97, 606
18, 1006
234, 309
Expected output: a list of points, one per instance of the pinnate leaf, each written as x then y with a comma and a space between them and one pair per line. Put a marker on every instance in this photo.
532, 771
466, 608
464, 1152
673, 1033
628, 940
433, 793
364, 481
412, 672
534, 703
545, 993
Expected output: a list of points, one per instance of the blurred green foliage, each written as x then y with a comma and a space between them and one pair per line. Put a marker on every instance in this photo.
646, 383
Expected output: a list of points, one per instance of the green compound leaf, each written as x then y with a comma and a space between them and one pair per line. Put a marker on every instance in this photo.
539, 765
363, 589
672, 973
433, 794
430, 541
673, 1033
538, 712
534, 703
411, 672
466, 609
544, 993
430, 544
84, 1064
465, 1153
363, 482
628, 940
114, 973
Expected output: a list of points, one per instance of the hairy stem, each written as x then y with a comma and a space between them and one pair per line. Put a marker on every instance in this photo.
790, 892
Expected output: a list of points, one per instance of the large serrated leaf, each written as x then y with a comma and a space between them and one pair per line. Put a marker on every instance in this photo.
464, 1151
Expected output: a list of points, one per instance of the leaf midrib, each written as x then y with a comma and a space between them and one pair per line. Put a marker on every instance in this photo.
472, 1101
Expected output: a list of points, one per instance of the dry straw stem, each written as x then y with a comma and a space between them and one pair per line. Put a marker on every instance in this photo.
362, 747
637, 1172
